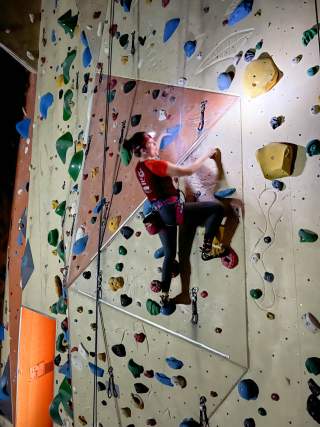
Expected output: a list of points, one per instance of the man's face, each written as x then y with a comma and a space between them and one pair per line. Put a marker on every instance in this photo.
151, 147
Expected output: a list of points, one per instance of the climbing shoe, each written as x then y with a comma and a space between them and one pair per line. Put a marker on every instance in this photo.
213, 249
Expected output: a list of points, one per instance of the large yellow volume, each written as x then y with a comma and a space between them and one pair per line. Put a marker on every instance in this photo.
260, 76
276, 160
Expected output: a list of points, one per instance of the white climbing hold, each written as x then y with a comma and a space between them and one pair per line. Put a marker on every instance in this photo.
29, 55
255, 257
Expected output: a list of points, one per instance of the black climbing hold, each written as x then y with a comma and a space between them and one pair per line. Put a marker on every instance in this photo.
93, 220
278, 185
86, 274
314, 387
125, 300
117, 187
268, 277
249, 422
275, 122
313, 365
135, 120
124, 40
126, 232
141, 388
101, 386
142, 40
267, 239
313, 407
275, 397
119, 350
119, 266
60, 93
155, 93
262, 412
128, 86
57, 360
256, 293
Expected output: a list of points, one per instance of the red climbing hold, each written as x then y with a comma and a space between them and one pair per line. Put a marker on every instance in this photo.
139, 337
165, 3
204, 294
230, 260
155, 286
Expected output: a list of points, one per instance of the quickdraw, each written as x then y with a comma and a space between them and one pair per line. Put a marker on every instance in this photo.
112, 390
194, 299
202, 110
204, 421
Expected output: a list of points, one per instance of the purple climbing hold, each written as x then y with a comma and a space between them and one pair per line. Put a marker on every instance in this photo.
169, 28
243, 9
23, 128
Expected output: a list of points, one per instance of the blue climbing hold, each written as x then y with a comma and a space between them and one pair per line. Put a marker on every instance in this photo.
248, 389
163, 379
313, 147
313, 70
86, 55
169, 28
99, 205
221, 194
190, 47
168, 308
53, 37
23, 128
45, 103
171, 135
147, 208
278, 185
79, 245
224, 81
189, 422
243, 9
159, 253
65, 370
126, 4
96, 370
174, 363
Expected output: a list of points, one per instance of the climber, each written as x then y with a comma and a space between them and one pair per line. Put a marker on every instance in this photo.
156, 179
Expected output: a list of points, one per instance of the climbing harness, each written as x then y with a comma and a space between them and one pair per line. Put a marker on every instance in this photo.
194, 299
202, 111
204, 421
112, 391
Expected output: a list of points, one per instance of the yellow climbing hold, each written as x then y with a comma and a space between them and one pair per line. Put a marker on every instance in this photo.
59, 81
276, 160
260, 76
113, 223
116, 283
54, 204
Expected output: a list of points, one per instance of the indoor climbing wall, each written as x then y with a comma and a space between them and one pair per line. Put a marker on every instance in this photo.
240, 75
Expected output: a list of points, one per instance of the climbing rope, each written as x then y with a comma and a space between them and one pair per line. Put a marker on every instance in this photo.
318, 24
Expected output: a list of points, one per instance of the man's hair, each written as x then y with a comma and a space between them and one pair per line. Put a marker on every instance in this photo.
136, 143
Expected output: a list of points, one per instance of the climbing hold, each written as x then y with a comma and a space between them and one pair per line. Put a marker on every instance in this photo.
270, 315
155, 286
155, 93
119, 350
99, 205
124, 40
278, 185
313, 365
276, 160
221, 194
61, 344
297, 59
135, 369
172, 133
180, 381
113, 223
117, 187
313, 70
57, 360
75, 165
86, 274
262, 412
63, 144
313, 147
169, 28
95, 370
137, 401
141, 388
128, 86
165, 3
46, 101
260, 76
126, 4
79, 245
125, 156
307, 236
61, 208
126, 232
125, 300
248, 389
68, 22
163, 379
275, 397
249, 55
126, 412
153, 307
243, 9
309, 34
174, 363
110, 94
249, 422
86, 54
275, 121
313, 407
67, 103
151, 421
230, 260
190, 47
315, 109
259, 45
168, 308
60, 250
311, 322
204, 294
115, 283
67, 65
189, 422
135, 120
224, 80
159, 253
53, 237
149, 373
268, 277
119, 266
267, 239
122, 250
58, 286
139, 337
22, 128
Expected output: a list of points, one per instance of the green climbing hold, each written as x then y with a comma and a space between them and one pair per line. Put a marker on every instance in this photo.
64, 397
67, 64
59, 307
308, 35
54, 410
68, 22
60, 250
67, 103
307, 235
153, 307
75, 165
53, 237
125, 156
135, 369
313, 147
122, 250
313, 365
63, 144
111, 95
61, 345
256, 293
61, 208
119, 266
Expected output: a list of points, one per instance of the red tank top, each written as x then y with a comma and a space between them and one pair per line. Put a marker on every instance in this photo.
153, 179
